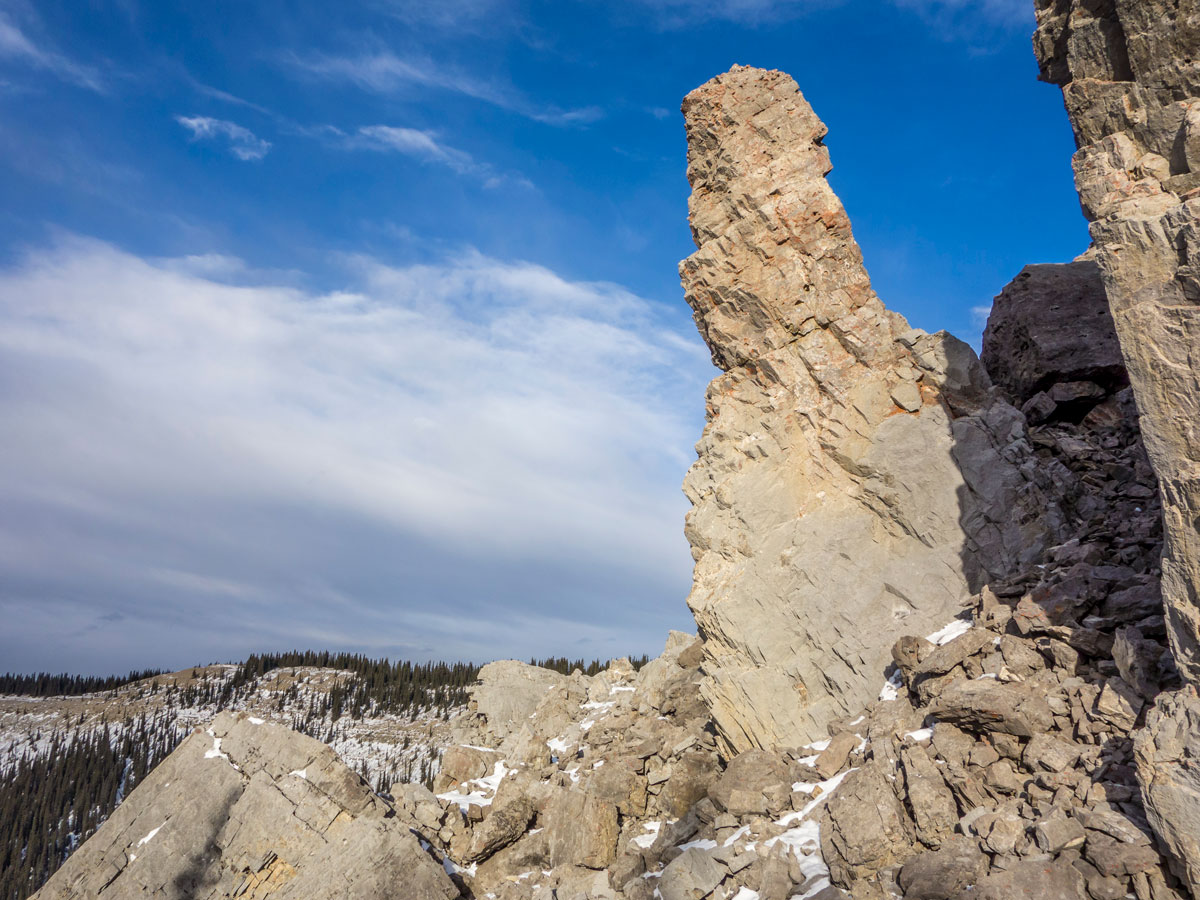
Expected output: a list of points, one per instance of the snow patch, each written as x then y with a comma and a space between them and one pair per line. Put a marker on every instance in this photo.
891, 688
485, 789
955, 628
645, 841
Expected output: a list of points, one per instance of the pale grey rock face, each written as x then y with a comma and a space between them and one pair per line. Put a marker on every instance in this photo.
1131, 83
1167, 750
856, 478
507, 693
1132, 89
250, 810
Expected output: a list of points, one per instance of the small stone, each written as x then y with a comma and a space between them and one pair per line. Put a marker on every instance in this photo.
1057, 832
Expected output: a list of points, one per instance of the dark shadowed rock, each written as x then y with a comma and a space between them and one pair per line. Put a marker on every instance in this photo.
1050, 327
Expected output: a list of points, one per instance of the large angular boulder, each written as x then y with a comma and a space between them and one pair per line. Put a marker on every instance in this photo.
250, 809
507, 693
852, 469
1052, 326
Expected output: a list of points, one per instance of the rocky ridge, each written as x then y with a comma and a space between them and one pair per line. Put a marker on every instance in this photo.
249, 809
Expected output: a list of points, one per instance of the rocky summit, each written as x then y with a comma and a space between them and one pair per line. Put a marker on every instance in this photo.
946, 605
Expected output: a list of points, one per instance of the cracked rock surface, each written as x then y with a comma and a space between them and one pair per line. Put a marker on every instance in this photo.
251, 810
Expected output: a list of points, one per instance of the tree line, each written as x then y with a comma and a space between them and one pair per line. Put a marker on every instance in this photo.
44, 684
565, 666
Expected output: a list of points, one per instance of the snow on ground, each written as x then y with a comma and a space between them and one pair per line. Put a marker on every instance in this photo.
947, 633
645, 841
483, 790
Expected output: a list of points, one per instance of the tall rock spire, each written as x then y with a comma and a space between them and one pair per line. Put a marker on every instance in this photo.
856, 478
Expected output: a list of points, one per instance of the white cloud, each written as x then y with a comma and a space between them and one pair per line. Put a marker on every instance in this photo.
16, 45
474, 458
385, 72
423, 145
242, 142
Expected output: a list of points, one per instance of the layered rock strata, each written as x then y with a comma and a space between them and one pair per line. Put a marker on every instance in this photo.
251, 810
856, 477
1130, 75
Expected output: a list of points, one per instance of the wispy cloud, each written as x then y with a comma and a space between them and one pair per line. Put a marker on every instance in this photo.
15, 44
424, 145
682, 13
241, 142
477, 456
456, 15
385, 72
956, 16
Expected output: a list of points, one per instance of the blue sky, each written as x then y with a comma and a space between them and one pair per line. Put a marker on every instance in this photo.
358, 326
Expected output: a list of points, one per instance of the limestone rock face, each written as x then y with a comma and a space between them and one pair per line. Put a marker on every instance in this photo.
250, 810
1049, 327
1131, 82
1166, 751
856, 478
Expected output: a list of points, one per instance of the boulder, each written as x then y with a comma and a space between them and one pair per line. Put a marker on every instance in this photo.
864, 828
692, 874
507, 693
502, 826
945, 873
987, 705
581, 830
1051, 327
1032, 879
740, 788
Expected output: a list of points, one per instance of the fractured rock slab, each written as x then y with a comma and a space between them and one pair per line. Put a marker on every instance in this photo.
250, 810
1051, 327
